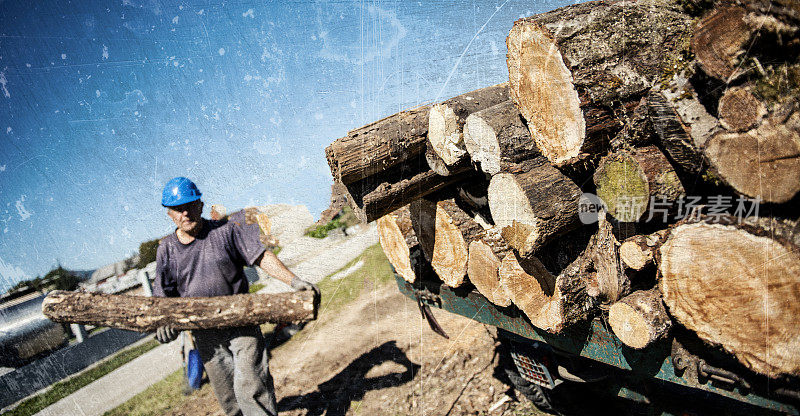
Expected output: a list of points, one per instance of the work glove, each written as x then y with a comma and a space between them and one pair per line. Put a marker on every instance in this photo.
300, 284
166, 333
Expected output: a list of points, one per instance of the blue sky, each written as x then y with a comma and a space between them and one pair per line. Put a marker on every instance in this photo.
101, 103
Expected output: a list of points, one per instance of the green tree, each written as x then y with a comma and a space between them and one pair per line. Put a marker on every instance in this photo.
147, 253
59, 278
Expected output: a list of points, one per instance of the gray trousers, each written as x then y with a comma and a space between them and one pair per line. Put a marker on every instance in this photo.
237, 363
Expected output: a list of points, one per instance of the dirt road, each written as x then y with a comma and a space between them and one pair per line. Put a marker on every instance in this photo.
376, 356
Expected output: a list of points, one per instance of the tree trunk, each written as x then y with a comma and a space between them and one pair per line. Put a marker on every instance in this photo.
629, 180
576, 71
736, 286
397, 239
533, 203
637, 252
639, 319
454, 230
483, 266
389, 190
552, 303
762, 163
497, 137
378, 146
446, 122
145, 314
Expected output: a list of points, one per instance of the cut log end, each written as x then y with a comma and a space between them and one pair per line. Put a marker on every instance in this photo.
533, 289
481, 142
639, 319
541, 85
394, 246
444, 134
483, 270
743, 297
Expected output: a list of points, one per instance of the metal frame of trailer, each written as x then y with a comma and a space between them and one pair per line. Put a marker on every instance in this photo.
665, 363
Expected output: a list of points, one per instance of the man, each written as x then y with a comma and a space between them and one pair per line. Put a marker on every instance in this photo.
207, 258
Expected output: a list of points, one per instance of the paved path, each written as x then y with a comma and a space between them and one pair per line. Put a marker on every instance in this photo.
120, 385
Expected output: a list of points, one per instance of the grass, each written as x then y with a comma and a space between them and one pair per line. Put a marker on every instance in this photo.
344, 219
158, 398
166, 394
66, 387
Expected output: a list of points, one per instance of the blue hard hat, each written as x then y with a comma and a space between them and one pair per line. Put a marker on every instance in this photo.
179, 191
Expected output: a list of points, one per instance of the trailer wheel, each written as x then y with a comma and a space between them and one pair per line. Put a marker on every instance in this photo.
539, 396
535, 393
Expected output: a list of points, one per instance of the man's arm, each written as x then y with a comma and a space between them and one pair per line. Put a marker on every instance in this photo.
275, 268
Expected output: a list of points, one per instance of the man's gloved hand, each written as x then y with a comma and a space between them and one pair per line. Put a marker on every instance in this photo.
300, 284
166, 333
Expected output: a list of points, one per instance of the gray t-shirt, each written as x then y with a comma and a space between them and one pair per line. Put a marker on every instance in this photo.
212, 264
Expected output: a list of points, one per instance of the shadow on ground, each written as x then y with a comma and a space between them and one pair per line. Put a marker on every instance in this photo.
334, 396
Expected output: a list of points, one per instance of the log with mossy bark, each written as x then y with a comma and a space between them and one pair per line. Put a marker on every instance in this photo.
577, 72
533, 203
446, 121
630, 181
145, 314
736, 285
497, 137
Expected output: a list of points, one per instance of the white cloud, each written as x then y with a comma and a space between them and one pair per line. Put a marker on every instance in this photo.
221, 51
4, 84
248, 13
10, 274
24, 214
105, 52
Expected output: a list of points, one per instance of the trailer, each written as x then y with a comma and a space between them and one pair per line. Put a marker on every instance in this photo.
670, 375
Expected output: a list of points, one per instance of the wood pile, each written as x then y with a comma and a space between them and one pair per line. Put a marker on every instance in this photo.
642, 165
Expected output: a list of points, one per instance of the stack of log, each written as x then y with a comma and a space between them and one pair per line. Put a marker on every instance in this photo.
682, 119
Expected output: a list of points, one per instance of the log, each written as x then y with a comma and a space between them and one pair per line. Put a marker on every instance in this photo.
473, 197
736, 286
398, 239
454, 230
575, 72
552, 303
423, 220
763, 163
719, 40
446, 120
389, 190
378, 146
674, 135
739, 110
638, 251
611, 281
483, 266
640, 319
629, 180
145, 314
497, 137
533, 203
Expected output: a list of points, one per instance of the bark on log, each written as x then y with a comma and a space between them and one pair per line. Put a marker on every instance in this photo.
638, 251
763, 163
446, 120
483, 266
389, 190
145, 314
454, 230
552, 303
397, 239
640, 319
719, 40
674, 135
497, 137
423, 220
533, 203
628, 180
574, 72
612, 282
737, 286
378, 146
